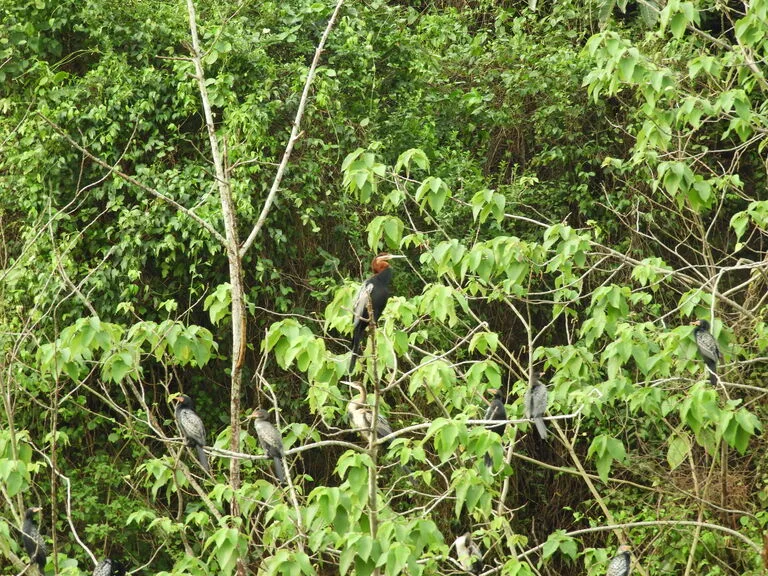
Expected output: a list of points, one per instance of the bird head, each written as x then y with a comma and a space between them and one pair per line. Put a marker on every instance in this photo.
181, 400
381, 261
259, 414
497, 393
362, 393
32, 511
701, 324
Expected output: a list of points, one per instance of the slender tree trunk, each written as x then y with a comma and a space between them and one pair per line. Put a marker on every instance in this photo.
233, 257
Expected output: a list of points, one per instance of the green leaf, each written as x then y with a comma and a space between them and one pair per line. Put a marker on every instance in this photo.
413, 155
679, 448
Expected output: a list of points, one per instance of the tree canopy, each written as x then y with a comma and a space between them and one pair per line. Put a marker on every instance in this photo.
191, 195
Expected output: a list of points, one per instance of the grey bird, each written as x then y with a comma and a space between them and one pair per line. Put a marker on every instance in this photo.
620, 565
496, 411
192, 428
708, 348
468, 553
536, 403
270, 440
109, 567
33, 540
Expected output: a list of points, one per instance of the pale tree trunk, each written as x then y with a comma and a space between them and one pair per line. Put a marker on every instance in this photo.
233, 258
235, 252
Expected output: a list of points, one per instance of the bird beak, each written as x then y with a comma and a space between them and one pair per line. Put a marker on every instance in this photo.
695, 323
36, 509
393, 256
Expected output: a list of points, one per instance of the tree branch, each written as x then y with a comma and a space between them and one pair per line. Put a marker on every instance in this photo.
295, 134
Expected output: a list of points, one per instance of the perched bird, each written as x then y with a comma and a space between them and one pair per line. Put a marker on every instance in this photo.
361, 415
376, 291
270, 440
109, 567
495, 411
192, 428
708, 348
620, 564
33, 540
468, 554
536, 403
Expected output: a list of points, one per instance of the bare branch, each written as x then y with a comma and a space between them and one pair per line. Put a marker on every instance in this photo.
295, 134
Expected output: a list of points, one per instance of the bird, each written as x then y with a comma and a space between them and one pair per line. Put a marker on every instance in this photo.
376, 291
270, 440
361, 414
536, 403
708, 348
468, 553
109, 567
33, 540
192, 428
620, 564
495, 411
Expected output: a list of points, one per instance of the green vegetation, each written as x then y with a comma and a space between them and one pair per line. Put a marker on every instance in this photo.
191, 194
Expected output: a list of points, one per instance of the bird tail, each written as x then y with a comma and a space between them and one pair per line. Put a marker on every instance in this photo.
712, 370
279, 469
203, 457
488, 460
541, 428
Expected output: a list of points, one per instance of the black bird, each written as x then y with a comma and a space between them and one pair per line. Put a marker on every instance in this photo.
33, 540
375, 290
192, 428
536, 403
620, 565
109, 567
468, 553
496, 411
708, 348
270, 440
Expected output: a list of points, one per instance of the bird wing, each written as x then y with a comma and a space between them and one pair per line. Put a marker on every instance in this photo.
269, 438
496, 411
360, 308
538, 400
707, 345
619, 566
103, 568
192, 426
383, 427
33, 540
528, 401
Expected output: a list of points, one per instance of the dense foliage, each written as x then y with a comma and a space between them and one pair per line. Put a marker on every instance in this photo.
572, 184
